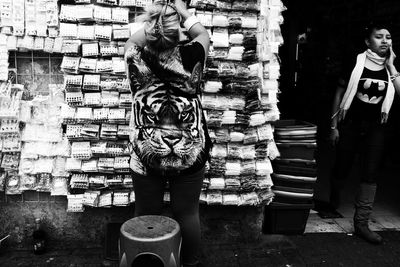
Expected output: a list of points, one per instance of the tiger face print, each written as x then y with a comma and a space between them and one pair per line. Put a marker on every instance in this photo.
167, 127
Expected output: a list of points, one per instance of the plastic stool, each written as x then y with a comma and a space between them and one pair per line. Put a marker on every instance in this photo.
150, 241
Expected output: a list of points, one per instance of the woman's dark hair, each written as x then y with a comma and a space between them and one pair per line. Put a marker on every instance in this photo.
369, 29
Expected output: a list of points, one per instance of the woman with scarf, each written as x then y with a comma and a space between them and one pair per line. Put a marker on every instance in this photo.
169, 138
360, 112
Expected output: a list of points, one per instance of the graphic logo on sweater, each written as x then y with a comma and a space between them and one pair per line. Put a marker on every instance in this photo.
371, 90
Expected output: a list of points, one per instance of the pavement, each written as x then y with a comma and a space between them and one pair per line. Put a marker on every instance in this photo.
312, 249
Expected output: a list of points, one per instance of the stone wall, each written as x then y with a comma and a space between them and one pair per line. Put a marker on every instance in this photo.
88, 229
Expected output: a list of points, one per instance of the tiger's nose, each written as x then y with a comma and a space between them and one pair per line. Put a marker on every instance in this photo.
171, 140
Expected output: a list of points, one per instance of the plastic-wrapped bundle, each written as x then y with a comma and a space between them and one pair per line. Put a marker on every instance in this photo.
217, 184
272, 114
220, 53
3, 178
203, 197
243, 71
212, 86
121, 198
265, 196
236, 102
249, 20
75, 203
27, 182
249, 55
263, 167
44, 165
206, 183
250, 198
236, 53
235, 19
250, 136
214, 198
205, 18
273, 150
221, 135
43, 182
230, 199
218, 166
262, 150
241, 119
97, 181
132, 197
248, 167
59, 167
249, 39
105, 199
233, 168
226, 69
91, 198
229, 117
220, 19
248, 152
79, 181
265, 132
59, 186
234, 150
232, 183
249, 183
264, 182
236, 136
220, 37
257, 118
221, 4
210, 102
203, 3
245, 5
219, 151
214, 118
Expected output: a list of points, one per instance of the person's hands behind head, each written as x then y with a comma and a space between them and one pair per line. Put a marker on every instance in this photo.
182, 9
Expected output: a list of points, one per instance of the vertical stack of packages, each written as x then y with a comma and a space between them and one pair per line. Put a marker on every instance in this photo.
98, 102
32, 144
3, 59
294, 177
10, 137
30, 24
44, 148
239, 98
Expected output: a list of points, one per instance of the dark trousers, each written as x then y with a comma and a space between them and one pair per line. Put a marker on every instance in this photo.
365, 138
184, 194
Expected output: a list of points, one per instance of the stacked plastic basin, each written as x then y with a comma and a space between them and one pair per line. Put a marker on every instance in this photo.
295, 174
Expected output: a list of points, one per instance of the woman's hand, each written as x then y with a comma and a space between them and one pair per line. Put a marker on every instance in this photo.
333, 137
384, 117
182, 10
391, 57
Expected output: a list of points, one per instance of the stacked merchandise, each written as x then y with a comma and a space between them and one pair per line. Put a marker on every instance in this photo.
3, 58
10, 137
44, 148
239, 94
98, 102
30, 24
294, 177
34, 151
239, 98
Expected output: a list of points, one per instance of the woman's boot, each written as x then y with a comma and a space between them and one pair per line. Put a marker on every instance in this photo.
363, 204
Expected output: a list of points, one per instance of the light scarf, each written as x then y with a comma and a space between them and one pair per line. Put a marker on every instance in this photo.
355, 78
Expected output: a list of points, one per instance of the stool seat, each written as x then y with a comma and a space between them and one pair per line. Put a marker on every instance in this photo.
150, 235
